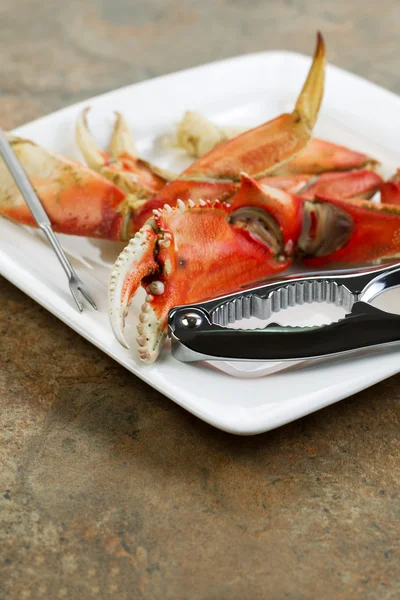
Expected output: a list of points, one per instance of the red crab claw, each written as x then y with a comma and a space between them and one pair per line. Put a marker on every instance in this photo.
121, 165
321, 156
77, 200
261, 150
362, 183
197, 135
200, 251
390, 190
348, 231
125, 280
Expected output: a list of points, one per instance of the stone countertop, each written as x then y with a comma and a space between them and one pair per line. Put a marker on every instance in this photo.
108, 489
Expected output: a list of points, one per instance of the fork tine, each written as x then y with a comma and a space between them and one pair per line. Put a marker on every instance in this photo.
84, 293
75, 295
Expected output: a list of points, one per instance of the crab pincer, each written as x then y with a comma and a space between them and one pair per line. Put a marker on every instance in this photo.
192, 251
121, 164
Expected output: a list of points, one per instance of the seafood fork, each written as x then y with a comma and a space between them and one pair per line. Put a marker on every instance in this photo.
76, 286
200, 331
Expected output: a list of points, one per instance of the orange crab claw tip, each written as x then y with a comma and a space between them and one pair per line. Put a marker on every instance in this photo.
135, 262
121, 139
94, 157
310, 98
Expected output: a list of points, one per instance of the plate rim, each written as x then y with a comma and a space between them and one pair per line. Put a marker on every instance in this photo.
231, 426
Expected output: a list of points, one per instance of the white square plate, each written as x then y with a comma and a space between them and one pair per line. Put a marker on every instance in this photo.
243, 91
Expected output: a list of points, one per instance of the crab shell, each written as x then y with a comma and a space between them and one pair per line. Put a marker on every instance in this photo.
195, 251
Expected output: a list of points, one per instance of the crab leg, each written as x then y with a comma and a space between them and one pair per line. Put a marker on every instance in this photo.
100, 201
197, 135
321, 156
348, 231
262, 149
77, 200
360, 183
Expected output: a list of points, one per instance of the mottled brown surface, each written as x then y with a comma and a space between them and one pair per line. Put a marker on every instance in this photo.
108, 489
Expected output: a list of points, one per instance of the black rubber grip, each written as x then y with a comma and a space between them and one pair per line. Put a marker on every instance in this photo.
365, 326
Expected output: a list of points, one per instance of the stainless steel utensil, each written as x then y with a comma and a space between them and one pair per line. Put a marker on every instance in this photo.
200, 332
41, 218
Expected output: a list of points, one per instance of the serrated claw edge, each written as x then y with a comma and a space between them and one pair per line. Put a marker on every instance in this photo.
291, 295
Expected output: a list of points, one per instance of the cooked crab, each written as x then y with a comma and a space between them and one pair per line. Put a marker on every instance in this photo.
241, 212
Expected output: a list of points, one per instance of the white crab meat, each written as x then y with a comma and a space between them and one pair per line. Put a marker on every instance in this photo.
197, 135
